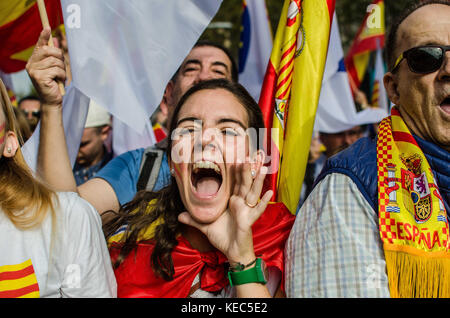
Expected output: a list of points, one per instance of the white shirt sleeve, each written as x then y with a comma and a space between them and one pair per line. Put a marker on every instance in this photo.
334, 248
87, 269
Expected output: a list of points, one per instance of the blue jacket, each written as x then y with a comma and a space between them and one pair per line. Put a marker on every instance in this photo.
359, 162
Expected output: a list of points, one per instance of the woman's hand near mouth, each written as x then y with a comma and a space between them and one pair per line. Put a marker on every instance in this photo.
231, 233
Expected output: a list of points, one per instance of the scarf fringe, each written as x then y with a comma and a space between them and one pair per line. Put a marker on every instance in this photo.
414, 276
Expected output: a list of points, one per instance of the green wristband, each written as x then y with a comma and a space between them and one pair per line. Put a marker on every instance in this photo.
252, 275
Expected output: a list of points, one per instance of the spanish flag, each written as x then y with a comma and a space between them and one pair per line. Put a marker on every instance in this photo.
18, 281
20, 26
369, 38
290, 93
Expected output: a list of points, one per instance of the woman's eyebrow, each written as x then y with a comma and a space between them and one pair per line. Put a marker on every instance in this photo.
220, 121
187, 119
232, 120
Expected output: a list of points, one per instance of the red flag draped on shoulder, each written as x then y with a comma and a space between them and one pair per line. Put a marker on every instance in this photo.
290, 93
369, 38
20, 26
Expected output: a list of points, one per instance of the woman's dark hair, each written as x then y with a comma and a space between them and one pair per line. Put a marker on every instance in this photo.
147, 207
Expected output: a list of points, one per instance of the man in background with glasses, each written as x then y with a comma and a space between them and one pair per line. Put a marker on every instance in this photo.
376, 224
31, 107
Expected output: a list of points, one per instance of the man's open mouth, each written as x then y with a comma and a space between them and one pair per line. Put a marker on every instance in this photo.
206, 178
445, 105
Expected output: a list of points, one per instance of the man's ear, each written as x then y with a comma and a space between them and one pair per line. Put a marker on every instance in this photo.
390, 85
167, 98
11, 145
257, 160
105, 132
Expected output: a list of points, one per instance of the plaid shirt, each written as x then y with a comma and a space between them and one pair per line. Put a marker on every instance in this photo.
334, 249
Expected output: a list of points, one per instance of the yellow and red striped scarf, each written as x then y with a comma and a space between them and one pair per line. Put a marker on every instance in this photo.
412, 216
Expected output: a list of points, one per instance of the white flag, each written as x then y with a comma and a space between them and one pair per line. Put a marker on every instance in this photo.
125, 138
256, 41
336, 111
75, 110
123, 53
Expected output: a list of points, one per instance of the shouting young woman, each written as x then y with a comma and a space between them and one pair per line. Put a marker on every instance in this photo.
210, 233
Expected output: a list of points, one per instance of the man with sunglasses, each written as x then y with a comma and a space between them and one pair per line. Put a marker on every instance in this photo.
376, 223
31, 107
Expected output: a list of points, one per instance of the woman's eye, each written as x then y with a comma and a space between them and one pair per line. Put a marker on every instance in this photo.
184, 131
230, 132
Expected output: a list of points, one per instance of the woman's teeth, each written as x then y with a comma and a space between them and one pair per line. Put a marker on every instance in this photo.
205, 165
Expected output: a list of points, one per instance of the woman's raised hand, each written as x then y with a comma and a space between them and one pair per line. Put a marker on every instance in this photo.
45, 67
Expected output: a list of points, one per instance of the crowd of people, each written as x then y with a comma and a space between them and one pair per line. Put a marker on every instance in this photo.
188, 216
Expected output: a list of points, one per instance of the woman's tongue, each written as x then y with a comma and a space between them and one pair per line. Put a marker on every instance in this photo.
207, 186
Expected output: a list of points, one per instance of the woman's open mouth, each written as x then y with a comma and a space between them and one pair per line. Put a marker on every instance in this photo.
206, 179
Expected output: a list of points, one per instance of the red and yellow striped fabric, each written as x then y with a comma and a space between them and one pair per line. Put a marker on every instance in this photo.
18, 281
20, 26
375, 94
290, 92
369, 38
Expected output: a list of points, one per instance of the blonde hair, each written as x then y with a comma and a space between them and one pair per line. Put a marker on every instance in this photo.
24, 199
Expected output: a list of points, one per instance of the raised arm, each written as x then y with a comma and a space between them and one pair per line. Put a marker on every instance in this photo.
46, 67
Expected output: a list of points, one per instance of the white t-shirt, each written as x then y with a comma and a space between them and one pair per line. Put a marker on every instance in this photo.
73, 261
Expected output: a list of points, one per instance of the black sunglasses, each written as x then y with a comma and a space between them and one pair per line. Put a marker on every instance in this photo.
34, 113
423, 59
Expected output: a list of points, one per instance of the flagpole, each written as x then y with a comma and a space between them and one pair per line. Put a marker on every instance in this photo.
45, 24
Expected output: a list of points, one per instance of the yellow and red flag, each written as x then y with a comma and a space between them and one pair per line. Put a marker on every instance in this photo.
159, 131
290, 93
20, 26
369, 38
18, 281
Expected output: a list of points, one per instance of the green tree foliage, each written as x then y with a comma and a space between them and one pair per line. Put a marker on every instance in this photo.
230, 12
350, 15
